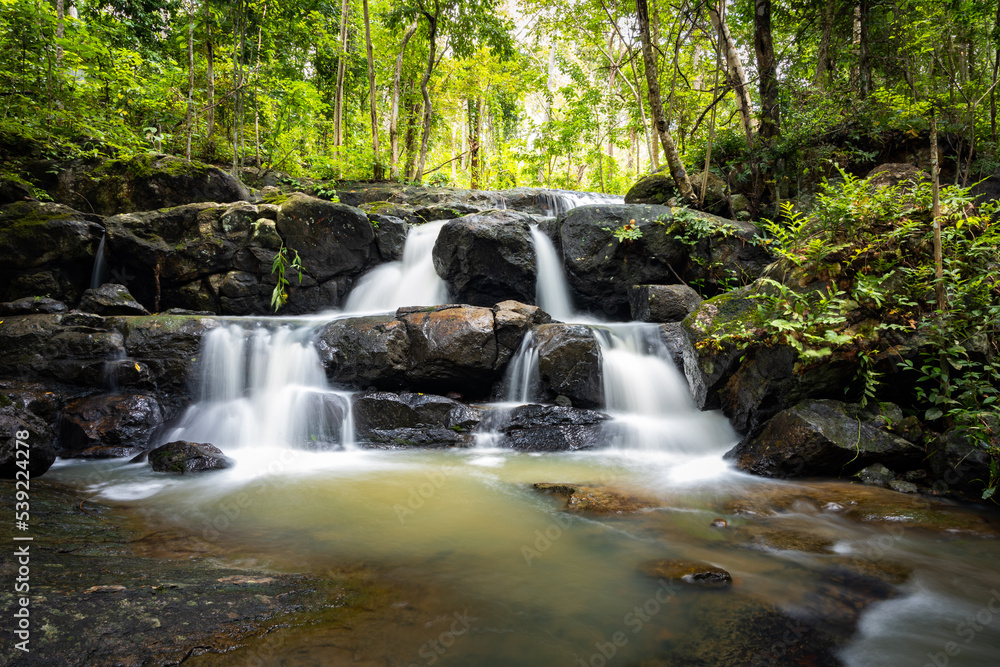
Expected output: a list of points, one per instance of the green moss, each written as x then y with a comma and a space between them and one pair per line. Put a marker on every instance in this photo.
5, 402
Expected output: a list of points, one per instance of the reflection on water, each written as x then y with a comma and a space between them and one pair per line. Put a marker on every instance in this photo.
551, 587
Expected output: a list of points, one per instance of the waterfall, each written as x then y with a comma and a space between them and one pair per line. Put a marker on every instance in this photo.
100, 265
411, 281
264, 388
555, 203
521, 380
551, 290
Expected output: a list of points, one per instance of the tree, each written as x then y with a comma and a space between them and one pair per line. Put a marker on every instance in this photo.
376, 164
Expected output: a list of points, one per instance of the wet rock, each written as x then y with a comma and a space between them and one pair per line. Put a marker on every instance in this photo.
111, 299
26, 415
512, 320
385, 411
958, 464
866, 504
48, 250
876, 475
103, 452
820, 438
487, 258
370, 351
184, 457
32, 304
673, 339
430, 438
662, 303
902, 486
552, 428
446, 211
140, 183
569, 362
332, 239
687, 571
769, 538
596, 499
600, 268
886, 570
390, 236
125, 420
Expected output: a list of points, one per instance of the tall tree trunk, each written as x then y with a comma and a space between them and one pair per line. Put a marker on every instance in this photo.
209, 76
865, 66
338, 104
767, 71
613, 70
711, 135
677, 171
993, 92
60, 31
823, 55
475, 134
855, 78
188, 125
394, 114
428, 115
256, 92
735, 75
376, 162
412, 111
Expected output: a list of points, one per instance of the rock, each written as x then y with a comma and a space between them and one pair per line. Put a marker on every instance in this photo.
512, 320
902, 486
876, 475
446, 211
687, 571
487, 258
14, 189
658, 188
662, 303
767, 538
332, 239
569, 362
419, 437
891, 174
820, 438
385, 411
141, 183
437, 350
26, 415
184, 457
596, 499
48, 251
111, 299
125, 420
390, 236
551, 428
958, 464
30, 305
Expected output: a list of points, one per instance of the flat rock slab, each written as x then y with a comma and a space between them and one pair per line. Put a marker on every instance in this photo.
595, 499
687, 571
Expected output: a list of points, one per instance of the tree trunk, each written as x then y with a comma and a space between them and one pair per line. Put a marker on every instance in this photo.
394, 117
376, 163
993, 92
823, 56
767, 71
60, 31
475, 134
190, 100
428, 115
338, 105
865, 66
855, 79
209, 75
256, 95
412, 110
735, 75
673, 158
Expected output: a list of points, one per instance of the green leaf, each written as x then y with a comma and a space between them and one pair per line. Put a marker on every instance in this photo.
933, 413
988, 493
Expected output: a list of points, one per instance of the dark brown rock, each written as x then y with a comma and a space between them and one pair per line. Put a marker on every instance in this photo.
184, 457
569, 362
125, 420
687, 571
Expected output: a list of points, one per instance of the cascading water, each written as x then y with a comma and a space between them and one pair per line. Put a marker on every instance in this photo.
264, 389
100, 265
557, 202
551, 291
409, 282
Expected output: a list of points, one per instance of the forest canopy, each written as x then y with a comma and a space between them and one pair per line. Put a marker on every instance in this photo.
494, 94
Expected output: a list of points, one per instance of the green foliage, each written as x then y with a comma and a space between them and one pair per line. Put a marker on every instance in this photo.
625, 233
279, 296
812, 322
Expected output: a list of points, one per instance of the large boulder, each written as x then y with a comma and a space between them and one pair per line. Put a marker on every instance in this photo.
48, 250
822, 438
658, 188
551, 428
487, 258
439, 349
894, 173
512, 320
332, 239
569, 363
140, 183
108, 424
382, 410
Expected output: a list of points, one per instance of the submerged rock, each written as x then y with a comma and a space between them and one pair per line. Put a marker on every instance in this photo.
821, 438
596, 499
687, 571
183, 457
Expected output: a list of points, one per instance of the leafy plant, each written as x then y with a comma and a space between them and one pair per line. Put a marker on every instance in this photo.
279, 297
626, 233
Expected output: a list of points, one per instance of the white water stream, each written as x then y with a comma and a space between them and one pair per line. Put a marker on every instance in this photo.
546, 587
